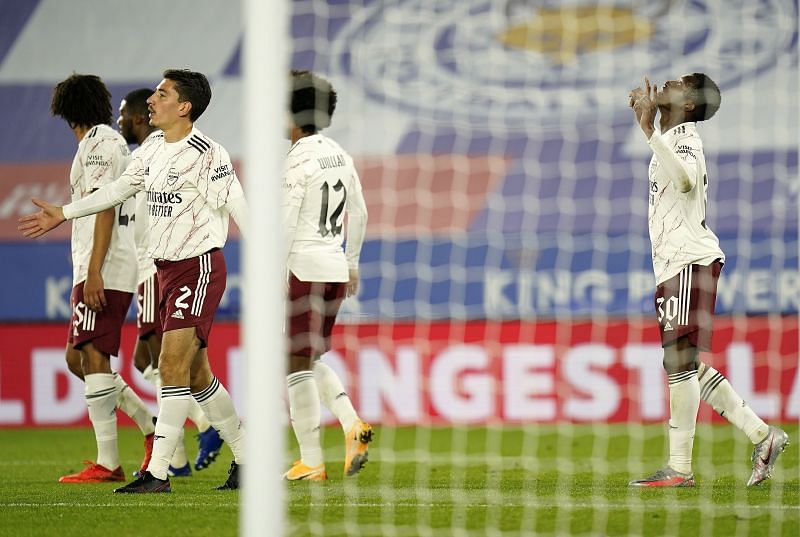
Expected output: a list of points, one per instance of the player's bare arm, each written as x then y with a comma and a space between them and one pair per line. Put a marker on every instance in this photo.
645, 107
37, 224
93, 294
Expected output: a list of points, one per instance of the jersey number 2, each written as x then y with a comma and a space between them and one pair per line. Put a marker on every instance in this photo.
336, 216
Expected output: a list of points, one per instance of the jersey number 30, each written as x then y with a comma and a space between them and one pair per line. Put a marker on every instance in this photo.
336, 216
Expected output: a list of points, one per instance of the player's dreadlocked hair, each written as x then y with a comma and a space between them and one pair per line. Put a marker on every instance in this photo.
705, 94
313, 101
82, 100
193, 87
136, 101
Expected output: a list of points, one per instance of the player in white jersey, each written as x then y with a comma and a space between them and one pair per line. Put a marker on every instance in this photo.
192, 190
320, 186
134, 125
104, 274
687, 261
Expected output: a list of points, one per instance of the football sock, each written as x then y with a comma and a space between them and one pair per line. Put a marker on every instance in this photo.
101, 398
218, 407
174, 409
179, 458
304, 412
132, 405
684, 400
718, 392
198, 417
333, 396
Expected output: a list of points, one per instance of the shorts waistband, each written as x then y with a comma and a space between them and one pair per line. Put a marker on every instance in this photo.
166, 262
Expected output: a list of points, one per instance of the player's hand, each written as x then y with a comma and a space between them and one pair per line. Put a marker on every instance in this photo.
37, 224
352, 286
635, 94
646, 108
93, 295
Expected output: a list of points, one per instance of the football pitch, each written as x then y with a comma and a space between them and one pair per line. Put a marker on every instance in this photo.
550, 480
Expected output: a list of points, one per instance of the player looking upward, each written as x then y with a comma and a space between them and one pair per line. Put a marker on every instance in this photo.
192, 190
687, 261
134, 125
320, 186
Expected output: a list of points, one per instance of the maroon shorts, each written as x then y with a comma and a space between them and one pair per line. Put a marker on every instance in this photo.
148, 320
100, 328
685, 305
190, 292
312, 313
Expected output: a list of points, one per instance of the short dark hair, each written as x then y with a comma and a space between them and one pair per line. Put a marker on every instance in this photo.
705, 94
136, 101
313, 101
193, 87
82, 100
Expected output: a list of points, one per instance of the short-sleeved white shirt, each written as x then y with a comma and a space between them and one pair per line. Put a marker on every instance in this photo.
679, 233
186, 185
321, 180
101, 157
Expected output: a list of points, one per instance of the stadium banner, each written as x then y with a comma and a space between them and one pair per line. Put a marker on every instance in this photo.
470, 372
463, 277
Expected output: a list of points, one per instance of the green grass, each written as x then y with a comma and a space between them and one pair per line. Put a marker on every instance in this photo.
554, 480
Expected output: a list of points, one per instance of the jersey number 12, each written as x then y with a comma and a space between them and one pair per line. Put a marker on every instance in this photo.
336, 216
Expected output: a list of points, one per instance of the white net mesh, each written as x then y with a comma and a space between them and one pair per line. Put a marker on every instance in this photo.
504, 343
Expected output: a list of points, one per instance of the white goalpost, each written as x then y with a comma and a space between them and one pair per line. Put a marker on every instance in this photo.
264, 66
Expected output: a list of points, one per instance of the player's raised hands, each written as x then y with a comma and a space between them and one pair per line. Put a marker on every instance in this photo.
645, 106
37, 224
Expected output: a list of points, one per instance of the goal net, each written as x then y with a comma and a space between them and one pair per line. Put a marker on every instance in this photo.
504, 343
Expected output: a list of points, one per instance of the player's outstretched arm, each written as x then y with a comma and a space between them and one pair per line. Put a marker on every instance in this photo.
37, 224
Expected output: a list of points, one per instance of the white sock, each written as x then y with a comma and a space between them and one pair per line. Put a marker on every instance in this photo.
304, 412
199, 418
149, 375
684, 400
718, 392
172, 415
218, 407
131, 404
101, 398
179, 458
333, 396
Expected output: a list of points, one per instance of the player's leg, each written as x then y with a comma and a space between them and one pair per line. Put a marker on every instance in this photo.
306, 306
768, 442
357, 433
218, 408
100, 394
73, 358
97, 336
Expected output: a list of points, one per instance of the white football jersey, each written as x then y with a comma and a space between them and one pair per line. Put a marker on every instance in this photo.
679, 233
320, 186
186, 184
101, 157
141, 229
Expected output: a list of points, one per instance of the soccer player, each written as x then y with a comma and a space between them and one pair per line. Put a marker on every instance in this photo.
134, 125
320, 185
687, 261
192, 190
103, 273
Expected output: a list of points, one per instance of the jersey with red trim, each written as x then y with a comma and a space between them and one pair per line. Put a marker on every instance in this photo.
679, 233
320, 186
186, 185
101, 157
